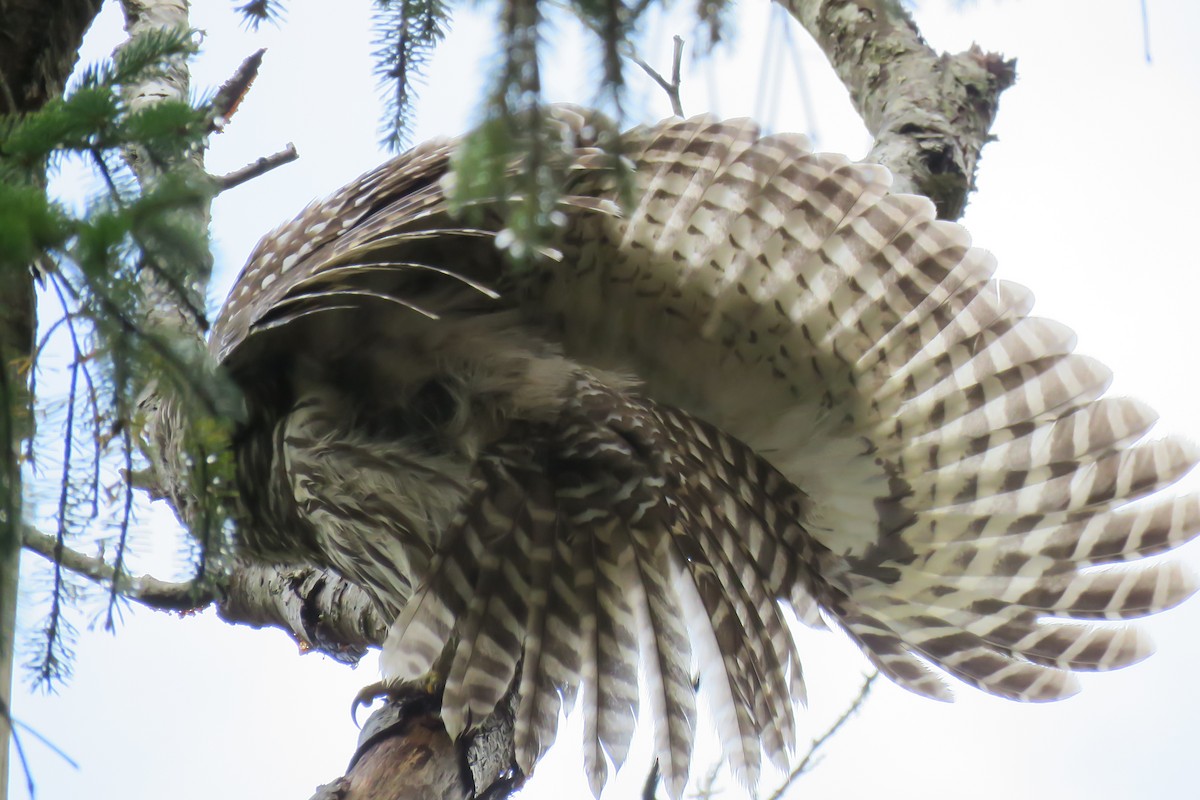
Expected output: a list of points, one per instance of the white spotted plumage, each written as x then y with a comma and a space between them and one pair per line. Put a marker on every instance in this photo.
767, 383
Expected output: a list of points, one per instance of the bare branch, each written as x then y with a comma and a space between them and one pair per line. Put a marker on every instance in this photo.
809, 760
260, 166
319, 609
929, 113
149, 591
671, 87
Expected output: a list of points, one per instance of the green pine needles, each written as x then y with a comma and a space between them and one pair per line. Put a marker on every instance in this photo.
104, 268
514, 127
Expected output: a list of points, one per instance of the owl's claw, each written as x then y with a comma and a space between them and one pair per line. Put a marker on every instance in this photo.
368, 695
395, 692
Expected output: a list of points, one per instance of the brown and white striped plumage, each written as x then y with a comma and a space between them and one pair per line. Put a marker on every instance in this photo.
768, 384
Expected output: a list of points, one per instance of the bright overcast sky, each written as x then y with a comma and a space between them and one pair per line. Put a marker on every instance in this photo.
1088, 197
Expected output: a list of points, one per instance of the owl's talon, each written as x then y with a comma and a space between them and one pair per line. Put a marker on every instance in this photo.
366, 696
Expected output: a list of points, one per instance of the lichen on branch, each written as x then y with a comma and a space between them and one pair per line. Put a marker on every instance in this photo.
930, 113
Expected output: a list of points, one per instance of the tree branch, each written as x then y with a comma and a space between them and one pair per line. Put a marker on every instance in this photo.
256, 168
317, 608
810, 758
404, 753
929, 114
671, 87
146, 590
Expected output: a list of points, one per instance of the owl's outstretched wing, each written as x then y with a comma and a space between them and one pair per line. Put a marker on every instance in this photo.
769, 382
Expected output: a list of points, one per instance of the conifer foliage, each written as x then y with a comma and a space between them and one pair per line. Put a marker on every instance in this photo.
100, 349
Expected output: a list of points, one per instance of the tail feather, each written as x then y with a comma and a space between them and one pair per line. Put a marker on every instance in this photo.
547, 641
586, 582
722, 675
766, 679
667, 655
616, 633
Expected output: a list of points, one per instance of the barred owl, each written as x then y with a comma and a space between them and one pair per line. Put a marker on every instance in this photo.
767, 387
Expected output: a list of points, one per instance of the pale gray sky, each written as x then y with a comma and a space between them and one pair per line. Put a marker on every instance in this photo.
1089, 198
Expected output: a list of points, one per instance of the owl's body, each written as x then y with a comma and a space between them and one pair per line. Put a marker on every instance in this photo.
768, 384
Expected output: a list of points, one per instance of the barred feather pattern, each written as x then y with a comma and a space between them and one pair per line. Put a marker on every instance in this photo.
596, 478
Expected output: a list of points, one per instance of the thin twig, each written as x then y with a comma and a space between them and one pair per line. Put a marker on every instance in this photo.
257, 167
145, 589
670, 87
148, 261
807, 762
676, 62
1146, 32
126, 516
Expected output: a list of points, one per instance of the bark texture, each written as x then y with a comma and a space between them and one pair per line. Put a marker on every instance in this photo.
167, 314
404, 753
39, 44
319, 609
928, 112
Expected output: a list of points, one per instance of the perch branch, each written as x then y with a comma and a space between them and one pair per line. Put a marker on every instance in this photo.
319, 609
929, 113
404, 753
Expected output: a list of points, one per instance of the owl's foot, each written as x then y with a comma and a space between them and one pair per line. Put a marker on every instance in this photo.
394, 693
368, 695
